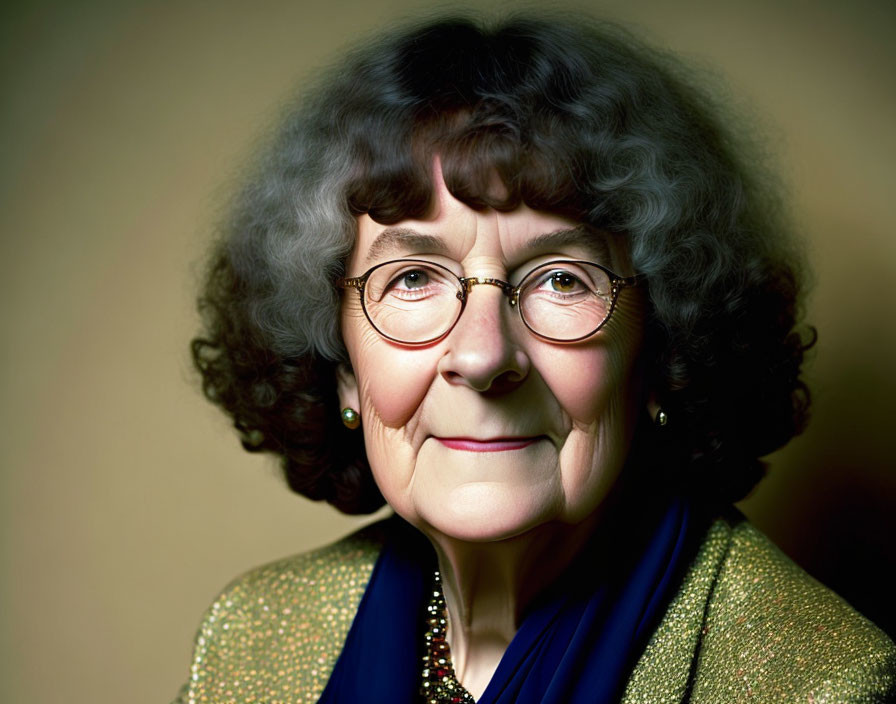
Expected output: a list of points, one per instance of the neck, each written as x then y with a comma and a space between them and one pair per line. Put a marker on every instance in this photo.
489, 586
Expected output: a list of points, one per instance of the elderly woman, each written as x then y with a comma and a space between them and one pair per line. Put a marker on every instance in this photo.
518, 282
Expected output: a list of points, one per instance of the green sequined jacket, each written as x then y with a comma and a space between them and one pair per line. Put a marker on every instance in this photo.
746, 625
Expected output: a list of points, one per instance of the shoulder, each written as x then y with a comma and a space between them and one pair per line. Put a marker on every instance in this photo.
276, 631
748, 625
773, 633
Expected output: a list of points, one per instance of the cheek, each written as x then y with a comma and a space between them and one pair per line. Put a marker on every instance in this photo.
598, 390
595, 449
584, 381
599, 384
392, 381
393, 386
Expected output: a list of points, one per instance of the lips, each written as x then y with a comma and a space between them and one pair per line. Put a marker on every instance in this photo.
490, 445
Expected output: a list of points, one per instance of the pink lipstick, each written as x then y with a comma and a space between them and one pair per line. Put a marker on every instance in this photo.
494, 445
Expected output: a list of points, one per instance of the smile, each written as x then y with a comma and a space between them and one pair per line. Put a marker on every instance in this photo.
493, 445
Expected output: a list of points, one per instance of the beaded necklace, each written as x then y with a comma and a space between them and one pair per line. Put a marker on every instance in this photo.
439, 684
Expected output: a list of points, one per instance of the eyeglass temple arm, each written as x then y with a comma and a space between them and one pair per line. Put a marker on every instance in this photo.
354, 282
621, 281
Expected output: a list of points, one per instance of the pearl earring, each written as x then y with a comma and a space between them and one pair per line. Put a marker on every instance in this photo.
351, 418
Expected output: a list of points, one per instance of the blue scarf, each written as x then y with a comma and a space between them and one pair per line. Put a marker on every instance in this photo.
578, 643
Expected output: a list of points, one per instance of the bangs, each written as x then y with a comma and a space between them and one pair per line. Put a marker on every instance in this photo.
487, 161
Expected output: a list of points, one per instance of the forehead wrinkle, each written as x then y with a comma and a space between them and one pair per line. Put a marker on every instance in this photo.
395, 240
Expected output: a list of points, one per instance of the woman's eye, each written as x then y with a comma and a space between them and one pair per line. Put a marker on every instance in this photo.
410, 280
564, 282
413, 279
411, 283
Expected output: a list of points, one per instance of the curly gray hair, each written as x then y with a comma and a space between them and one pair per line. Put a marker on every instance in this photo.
577, 119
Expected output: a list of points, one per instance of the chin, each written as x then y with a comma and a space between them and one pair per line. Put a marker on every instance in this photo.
481, 512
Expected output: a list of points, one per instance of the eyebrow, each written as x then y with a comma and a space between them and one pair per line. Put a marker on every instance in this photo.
581, 236
393, 240
403, 240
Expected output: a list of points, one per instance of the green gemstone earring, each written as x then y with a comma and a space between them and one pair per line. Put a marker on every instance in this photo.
661, 418
350, 418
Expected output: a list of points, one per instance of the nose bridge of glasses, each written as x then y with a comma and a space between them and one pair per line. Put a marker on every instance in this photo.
506, 288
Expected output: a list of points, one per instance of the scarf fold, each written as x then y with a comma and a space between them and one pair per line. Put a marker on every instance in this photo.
578, 643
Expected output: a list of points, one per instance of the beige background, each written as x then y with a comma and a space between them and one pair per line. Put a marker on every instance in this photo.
126, 501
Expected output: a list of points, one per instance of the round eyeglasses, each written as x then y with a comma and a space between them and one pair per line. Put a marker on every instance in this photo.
415, 302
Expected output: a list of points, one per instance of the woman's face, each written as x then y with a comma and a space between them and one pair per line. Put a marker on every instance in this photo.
491, 431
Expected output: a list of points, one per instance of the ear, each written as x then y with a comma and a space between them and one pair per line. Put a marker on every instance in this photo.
653, 405
347, 388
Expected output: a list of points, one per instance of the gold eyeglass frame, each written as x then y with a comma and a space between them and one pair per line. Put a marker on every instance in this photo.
617, 283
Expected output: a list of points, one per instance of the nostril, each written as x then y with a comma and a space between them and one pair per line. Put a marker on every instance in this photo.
504, 383
486, 379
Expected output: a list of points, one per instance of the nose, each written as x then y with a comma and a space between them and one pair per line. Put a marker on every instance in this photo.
483, 352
